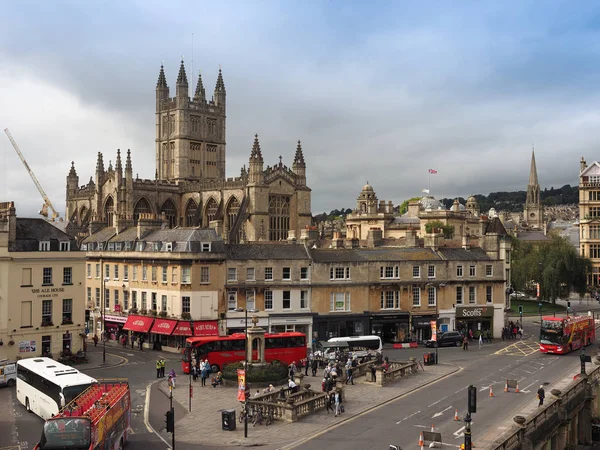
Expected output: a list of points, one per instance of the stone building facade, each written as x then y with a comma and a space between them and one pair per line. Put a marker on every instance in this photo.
190, 188
42, 294
589, 217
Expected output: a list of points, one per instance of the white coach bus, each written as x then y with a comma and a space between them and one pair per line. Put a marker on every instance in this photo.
44, 385
358, 345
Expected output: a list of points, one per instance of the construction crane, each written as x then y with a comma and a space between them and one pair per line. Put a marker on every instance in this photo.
47, 203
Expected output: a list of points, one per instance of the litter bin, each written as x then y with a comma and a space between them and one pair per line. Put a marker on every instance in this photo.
432, 359
228, 420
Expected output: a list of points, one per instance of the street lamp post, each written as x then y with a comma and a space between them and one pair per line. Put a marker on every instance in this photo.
245, 365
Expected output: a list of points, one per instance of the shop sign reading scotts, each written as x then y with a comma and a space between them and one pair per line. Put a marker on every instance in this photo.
474, 312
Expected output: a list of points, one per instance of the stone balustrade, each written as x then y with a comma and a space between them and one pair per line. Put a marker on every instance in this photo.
291, 408
397, 370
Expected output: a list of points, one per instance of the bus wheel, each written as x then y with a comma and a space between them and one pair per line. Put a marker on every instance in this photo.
27, 407
214, 368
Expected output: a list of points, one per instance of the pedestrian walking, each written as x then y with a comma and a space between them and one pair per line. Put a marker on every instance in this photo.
465, 343
314, 365
158, 366
204, 368
337, 403
163, 364
172, 377
541, 394
330, 401
480, 341
292, 369
95, 340
132, 340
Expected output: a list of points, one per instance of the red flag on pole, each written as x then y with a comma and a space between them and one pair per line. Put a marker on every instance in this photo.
432, 171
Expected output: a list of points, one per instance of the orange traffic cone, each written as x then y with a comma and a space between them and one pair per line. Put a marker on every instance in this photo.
421, 444
491, 392
456, 418
517, 390
506, 387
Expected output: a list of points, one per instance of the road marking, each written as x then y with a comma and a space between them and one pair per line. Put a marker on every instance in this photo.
441, 399
441, 412
459, 433
398, 423
461, 389
147, 413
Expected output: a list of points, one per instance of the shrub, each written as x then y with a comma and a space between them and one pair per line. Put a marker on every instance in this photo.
274, 371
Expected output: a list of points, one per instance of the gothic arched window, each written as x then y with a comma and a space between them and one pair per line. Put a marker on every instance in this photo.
141, 207
232, 211
279, 217
82, 214
211, 210
170, 212
191, 210
109, 209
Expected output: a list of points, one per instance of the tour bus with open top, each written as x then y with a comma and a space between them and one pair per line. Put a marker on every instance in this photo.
222, 350
98, 419
561, 335
44, 386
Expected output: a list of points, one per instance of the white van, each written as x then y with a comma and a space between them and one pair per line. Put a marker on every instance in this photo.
8, 373
359, 346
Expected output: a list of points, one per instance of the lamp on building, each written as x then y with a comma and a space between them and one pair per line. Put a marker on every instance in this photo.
246, 310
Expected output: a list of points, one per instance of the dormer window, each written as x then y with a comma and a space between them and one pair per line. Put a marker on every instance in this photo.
44, 246
156, 246
111, 247
168, 246
206, 246
139, 246
84, 247
118, 246
100, 246
65, 246
127, 246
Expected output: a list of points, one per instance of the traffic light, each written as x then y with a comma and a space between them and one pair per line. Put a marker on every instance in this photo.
170, 420
472, 406
521, 309
568, 305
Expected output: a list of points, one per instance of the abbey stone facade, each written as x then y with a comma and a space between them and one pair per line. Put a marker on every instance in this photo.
190, 188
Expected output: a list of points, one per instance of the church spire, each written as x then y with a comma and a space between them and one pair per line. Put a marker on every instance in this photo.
256, 154
118, 166
162, 80
533, 178
162, 90
200, 92
181, 90
220, 93
255, 168
72, 172
299, 156
128, 167
220, 84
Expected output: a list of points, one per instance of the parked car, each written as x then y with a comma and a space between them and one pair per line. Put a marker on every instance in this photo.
448, 338
518, 295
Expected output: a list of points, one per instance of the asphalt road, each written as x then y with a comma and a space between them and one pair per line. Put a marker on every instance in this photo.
400, 422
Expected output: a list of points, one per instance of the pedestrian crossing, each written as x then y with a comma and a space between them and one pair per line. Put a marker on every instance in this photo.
523, 347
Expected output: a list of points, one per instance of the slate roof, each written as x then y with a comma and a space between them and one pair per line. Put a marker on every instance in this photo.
265, 251
373, 254
532, 236
463, 254
31, 231
103, 235
495, 226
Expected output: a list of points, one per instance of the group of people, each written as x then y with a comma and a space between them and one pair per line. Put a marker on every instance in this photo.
160, 368
202, 368
511, 331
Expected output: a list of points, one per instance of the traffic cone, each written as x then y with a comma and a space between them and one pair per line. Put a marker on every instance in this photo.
517, 390
421, 444
491, 392
506, 387
456, 418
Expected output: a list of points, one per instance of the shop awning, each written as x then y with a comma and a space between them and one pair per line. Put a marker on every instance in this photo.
206, 328
141, 324
183, 328
163, 326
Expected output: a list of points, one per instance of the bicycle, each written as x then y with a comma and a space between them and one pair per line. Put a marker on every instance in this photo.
242, 414
258, 417
270, 416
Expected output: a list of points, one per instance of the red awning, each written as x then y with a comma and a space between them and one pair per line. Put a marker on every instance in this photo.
140, 324
183, 328
163, 326
206, 328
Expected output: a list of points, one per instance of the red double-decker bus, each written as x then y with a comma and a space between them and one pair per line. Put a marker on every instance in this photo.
223, 350
561, 335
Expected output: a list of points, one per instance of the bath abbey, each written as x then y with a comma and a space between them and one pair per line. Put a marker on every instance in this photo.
190, 187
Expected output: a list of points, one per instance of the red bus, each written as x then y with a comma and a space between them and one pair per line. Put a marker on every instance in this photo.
223, 350
559, 335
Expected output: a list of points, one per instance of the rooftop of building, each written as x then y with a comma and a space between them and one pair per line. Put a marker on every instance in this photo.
30, 232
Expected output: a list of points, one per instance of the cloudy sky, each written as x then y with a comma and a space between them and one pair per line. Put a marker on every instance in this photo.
377, 91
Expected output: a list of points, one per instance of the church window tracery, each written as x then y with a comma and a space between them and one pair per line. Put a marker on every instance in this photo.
211, 209
279, 217
109, 209
190, 213
170, 211
141, 207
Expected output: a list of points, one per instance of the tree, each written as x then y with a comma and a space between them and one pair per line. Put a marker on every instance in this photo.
404, 205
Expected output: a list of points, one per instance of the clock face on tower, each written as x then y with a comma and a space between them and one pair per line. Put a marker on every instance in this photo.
532, 215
